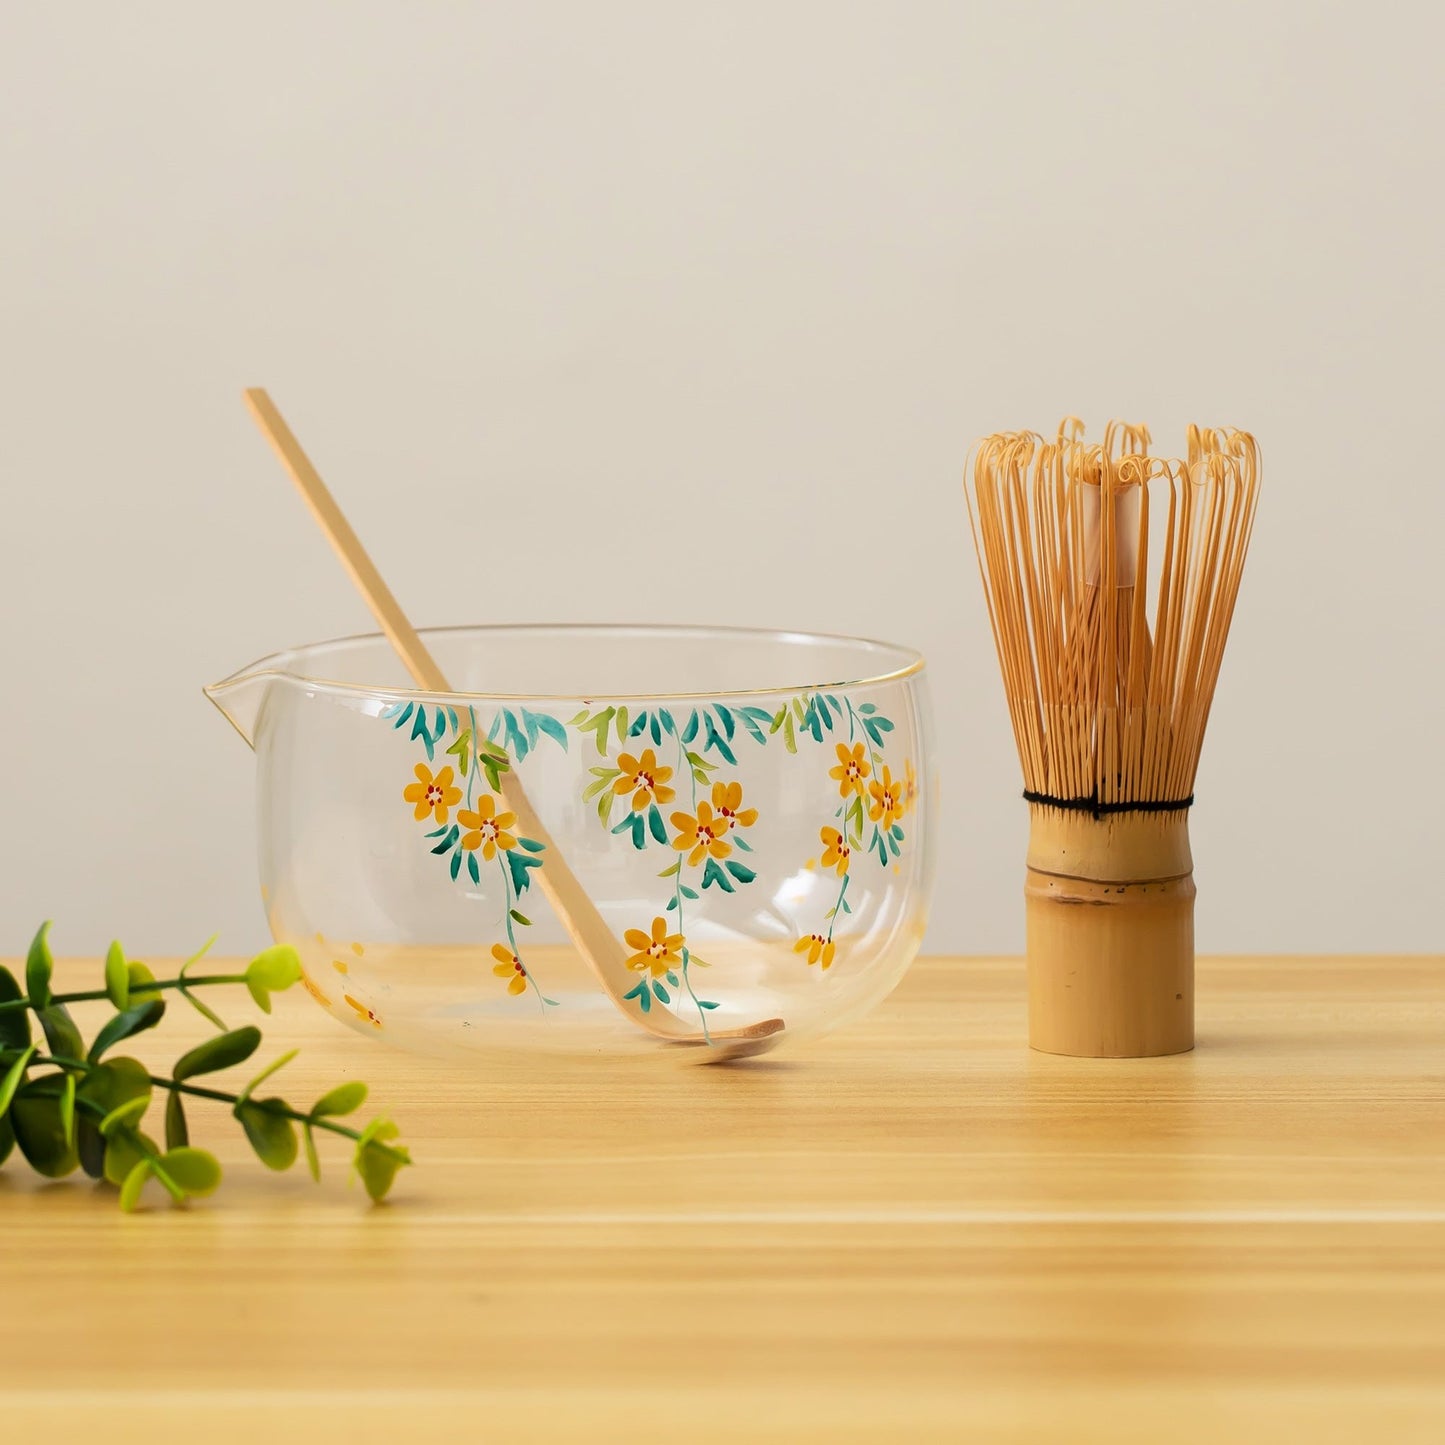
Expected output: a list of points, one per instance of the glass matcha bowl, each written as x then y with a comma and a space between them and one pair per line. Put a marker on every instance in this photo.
737, 824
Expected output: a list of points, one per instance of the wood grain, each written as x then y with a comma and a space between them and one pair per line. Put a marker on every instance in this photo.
915, 1230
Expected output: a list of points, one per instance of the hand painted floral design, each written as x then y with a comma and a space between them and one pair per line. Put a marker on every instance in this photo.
509, 967
887, 806
853, 768
659, 953
644, 778
488, 828
727, 802
707, 834
362, 1012
836, 851
818, 948
701, 836
433, 795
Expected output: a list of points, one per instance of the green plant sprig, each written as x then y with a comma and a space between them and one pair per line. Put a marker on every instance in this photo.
87, 1111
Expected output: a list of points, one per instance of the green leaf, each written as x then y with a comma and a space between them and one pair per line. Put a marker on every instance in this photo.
124, 1116
224, 1051
518, 864
313, 1164
14, 1023
461, 750
273, 971
622, 724
689, 731
7, 1138
61, 1033
377, 1159
272, 1136
271, 1068
205, 1011
39, 1125
123, 1151
135, 1181
343, 1099
13, 1076
196, 1171
670, 872
67, 1108
39, 966
178, 1133
117, 977
135, 1020
140, 976
473, 869
103, 1087
740, 871
574, 721
655, 824
712, 876
521, 918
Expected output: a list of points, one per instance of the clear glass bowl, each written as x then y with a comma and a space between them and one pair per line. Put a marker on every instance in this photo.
748, 811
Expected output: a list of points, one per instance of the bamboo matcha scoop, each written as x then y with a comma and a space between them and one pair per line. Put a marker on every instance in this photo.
584, 924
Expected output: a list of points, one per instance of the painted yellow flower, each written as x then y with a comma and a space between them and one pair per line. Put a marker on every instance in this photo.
362, 1012
432, 794
509, 967
703, 834
817, 947
487, 828
836, 851
657, 955
644, 778
887, 806
727, 802
852, 769
311, 988
910, 785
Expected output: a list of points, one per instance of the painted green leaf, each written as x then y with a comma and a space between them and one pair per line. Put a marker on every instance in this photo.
472, 868
456, 864
778, 719
519, 865
549, 725
39, 966
672, 903
224, 1051
581, 717
712, 875
117, 977
655, 730
670, 872
134, 1020
639, 725
272, 1136
343, 1099
461, 750
740, 871
521, 918
789, 740
667, 721
726, 718
532, 845
622, 724
660, 991
689, 731
655, 823
689, 892
14, 1023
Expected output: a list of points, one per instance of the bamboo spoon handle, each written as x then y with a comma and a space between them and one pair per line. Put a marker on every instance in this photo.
585, 925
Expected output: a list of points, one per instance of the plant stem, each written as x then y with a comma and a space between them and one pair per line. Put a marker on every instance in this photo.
175, 1086
16, 1004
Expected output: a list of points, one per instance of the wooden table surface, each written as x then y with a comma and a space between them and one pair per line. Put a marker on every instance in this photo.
914, 1230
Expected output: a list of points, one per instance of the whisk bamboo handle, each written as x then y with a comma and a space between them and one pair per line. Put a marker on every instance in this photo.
578, 914
1109, 906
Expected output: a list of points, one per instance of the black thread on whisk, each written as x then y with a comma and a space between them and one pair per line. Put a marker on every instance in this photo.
1096, 809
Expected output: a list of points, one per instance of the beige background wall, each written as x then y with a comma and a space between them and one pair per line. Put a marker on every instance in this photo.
753, 276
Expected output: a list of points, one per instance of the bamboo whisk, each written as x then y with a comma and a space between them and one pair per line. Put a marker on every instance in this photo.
1109, 706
